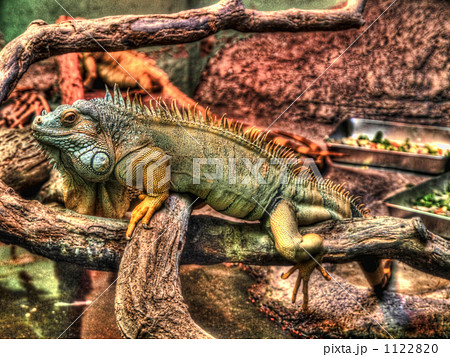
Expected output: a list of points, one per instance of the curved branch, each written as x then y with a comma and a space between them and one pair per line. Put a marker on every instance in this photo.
149, 303
117, 33
96, 243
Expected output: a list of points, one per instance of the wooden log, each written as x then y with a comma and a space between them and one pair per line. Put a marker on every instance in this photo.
116, 33
22, 165
98, 243
149, 303
69, 78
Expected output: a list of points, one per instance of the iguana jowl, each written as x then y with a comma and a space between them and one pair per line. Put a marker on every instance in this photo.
102, 145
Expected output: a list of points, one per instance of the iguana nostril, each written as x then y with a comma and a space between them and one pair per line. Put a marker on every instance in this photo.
38, 120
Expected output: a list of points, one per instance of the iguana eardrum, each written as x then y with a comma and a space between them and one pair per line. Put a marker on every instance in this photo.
102, 146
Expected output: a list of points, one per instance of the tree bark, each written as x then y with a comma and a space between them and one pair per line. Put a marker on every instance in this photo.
69, 78
117, 33
149, 303
22, 165
98, 243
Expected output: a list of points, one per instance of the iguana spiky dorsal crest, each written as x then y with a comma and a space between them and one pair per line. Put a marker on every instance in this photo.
253, 137
162, 112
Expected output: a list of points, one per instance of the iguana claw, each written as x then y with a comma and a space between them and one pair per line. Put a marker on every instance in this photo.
306, 251
305, 270
144, 211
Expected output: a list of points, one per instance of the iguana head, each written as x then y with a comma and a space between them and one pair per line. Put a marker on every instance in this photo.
74, 138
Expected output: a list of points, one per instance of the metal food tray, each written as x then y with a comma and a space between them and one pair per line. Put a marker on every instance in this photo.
400, 205
393, 159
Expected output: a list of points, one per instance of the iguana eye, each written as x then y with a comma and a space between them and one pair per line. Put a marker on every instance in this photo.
69, 118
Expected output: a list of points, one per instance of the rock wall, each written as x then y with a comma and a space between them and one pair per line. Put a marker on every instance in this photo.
398, 70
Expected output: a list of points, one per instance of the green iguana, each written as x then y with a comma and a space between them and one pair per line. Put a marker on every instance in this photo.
102, 146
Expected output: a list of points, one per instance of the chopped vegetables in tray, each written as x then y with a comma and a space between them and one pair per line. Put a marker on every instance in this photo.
380, 143
437, 202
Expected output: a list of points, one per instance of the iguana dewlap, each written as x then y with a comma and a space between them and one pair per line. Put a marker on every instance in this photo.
103, 145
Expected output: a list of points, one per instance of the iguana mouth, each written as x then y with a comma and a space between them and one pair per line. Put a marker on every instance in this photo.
37, 132
40, 132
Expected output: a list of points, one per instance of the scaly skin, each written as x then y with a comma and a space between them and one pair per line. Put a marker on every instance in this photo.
103, 145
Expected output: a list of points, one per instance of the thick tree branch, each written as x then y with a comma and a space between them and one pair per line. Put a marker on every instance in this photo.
98, 243
149, 303
22, 165
116, 33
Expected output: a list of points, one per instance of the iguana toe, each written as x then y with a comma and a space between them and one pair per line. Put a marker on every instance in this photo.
305, 270
144, 211
309, 257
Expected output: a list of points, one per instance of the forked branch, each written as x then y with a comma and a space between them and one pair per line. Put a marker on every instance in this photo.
116, 33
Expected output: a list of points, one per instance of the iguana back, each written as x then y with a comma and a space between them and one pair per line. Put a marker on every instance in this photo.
240, 174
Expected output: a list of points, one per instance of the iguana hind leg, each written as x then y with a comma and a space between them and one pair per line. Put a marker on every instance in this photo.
378, 273
306, 251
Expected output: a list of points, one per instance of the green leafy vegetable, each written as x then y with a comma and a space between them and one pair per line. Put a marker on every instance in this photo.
437, 202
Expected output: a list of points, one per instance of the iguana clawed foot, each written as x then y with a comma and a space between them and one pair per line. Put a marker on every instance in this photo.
144, 211
305, 270
307, 251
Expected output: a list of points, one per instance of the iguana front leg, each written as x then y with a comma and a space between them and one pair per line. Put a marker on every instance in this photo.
306, 251
146, 169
